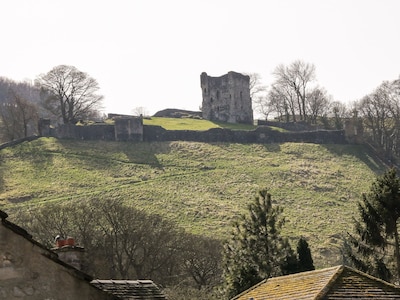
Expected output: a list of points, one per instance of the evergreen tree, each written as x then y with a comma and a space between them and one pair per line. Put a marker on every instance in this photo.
256, 250
375, 241
304, 255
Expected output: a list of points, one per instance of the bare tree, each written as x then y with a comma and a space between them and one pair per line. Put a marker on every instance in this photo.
121, 241
18, 117
296, 78
140, 111
340, 112
284, 98
202, 261
255, 84
262, 107
381, 113
318, 104
69, 93
258, 94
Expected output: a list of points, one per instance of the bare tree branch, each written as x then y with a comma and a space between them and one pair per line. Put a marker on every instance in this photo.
70, 93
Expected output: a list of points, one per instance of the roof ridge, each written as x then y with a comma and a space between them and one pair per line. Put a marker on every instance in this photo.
331, 282
272, 279
305, 273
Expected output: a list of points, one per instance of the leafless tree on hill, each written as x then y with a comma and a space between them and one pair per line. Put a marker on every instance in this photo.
69, 93
18, 117
294, 80
318, 104
380, 111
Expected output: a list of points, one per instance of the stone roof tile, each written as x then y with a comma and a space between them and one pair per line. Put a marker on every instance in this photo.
130, 289
340, 282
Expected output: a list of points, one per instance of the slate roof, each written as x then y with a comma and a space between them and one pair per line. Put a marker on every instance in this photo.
340, 282
130, 289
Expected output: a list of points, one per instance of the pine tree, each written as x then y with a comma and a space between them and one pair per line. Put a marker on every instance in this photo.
306, 262
256, 250
375, 241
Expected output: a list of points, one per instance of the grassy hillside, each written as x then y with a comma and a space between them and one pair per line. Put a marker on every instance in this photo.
200, 186
193, 124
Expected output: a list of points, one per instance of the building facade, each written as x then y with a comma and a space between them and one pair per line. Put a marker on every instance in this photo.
227, 98
28, 270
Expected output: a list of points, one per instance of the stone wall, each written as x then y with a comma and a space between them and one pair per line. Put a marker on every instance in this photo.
259, 135
89, 132
123, 129
354, 130
227, 98
134, 130
30, 271
19, 141
128, 129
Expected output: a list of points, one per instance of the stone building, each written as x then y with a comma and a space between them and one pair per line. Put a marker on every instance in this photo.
28, 270
227, 98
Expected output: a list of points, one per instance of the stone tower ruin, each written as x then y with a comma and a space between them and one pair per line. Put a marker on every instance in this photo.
227, 98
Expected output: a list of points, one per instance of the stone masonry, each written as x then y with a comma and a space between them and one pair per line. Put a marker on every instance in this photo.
30, 271
227, 98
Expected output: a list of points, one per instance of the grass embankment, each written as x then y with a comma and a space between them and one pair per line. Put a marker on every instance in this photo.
200, 186
193, 124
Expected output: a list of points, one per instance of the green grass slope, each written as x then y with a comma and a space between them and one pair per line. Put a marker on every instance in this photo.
200, 186
193, 124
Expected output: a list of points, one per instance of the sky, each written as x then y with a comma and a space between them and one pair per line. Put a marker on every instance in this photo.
150, 53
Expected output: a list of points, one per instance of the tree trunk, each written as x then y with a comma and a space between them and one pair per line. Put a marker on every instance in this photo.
397, 252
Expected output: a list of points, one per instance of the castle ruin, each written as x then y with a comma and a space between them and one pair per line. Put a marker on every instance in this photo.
227, 98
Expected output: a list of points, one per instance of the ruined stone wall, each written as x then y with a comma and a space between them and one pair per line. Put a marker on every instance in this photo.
91, 132
129, 129
28, 271
124, 129
19, 141
134, 130
354, 130
259, 135
227, 98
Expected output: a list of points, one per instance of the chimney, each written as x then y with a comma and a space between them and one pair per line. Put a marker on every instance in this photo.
68, 252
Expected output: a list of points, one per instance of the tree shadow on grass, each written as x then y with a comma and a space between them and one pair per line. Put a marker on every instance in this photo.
146, 153
134, 152
363, 152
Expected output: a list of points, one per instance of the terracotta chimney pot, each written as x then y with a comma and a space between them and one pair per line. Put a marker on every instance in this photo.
70, 241
60, 243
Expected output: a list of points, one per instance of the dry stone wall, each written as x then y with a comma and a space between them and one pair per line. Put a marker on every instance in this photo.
133, 130
259, 135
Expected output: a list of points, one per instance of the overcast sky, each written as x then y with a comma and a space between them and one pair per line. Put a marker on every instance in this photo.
151, 53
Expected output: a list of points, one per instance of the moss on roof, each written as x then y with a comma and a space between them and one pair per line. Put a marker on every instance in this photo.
340, 282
